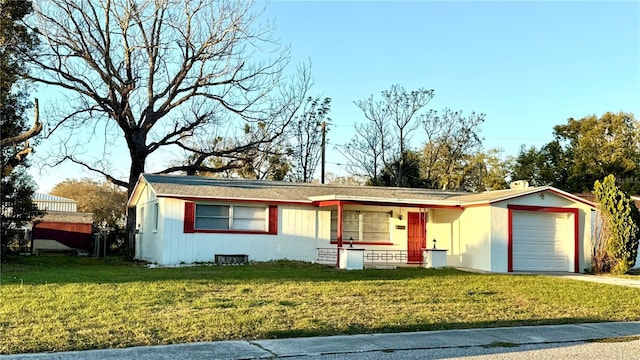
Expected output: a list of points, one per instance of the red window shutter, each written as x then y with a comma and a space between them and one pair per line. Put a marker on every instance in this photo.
189, 217
273, 219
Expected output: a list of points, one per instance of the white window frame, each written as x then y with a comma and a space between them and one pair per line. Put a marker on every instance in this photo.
234, 221
360, 236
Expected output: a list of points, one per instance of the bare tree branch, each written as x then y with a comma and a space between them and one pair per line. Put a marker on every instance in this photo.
35, 130
166, 73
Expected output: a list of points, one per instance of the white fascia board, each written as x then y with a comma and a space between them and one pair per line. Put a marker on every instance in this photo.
135, 194
384, 200
533, 191
571, 196
231, 199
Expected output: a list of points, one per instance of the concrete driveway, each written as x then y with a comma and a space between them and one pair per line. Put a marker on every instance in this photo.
600, 279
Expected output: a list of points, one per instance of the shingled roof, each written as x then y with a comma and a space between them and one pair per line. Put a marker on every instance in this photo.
238, 189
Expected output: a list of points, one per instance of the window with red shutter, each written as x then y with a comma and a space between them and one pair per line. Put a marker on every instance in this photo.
189, 216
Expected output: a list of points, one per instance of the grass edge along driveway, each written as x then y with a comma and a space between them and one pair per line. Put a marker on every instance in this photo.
63, 304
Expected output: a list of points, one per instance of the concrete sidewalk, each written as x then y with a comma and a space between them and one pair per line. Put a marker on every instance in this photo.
259, 349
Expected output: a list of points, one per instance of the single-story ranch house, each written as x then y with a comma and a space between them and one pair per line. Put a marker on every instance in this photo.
188, 219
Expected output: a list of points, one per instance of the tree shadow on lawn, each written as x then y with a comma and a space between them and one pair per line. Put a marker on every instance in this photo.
65, 270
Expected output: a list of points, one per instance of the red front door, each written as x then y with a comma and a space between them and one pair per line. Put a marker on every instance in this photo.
416, 236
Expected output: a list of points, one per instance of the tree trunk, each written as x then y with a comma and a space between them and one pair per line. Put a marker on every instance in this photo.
139, 153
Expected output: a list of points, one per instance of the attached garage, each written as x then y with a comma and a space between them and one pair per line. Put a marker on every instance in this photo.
543, 239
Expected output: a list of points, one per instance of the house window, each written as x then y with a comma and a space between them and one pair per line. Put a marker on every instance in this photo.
363, 226
213, 217
375, 226
249, 218
230, 217
141, 223
155, 216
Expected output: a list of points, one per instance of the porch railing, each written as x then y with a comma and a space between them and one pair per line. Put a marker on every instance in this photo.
330, 256
327, 255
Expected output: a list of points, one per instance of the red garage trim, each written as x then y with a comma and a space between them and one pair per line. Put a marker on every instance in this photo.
576, 222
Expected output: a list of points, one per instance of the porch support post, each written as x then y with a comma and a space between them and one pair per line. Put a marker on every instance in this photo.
339, 231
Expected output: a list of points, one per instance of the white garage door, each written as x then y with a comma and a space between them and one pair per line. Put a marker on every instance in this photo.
542, 241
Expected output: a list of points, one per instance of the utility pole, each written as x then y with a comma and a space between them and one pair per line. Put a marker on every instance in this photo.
323, 148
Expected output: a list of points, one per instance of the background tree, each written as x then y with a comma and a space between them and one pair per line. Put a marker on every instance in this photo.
410, 175
394, 119
161, 76
600, 146
451, 138
348, 180
16, 208
583, 151
482, 171
15, 39
266, 161
106, 201
365, 152
547, 166
271, 165
306, 135
452, 156
617, 229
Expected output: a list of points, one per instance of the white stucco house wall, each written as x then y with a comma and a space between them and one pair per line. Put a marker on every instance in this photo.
187, 219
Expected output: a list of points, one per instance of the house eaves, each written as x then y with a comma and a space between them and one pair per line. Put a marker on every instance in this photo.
192, 187
233, 199
491, 197
385, 201
195, 188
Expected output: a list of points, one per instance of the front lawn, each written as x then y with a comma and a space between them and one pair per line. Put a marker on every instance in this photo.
63, 303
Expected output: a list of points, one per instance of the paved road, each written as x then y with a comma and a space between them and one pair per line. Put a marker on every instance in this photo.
524, 342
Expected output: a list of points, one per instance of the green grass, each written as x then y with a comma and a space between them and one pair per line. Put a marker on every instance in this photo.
64, 303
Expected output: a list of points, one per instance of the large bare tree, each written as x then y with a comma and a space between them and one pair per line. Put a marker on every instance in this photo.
161, 76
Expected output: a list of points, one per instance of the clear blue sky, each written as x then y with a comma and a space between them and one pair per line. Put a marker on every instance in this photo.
527, 65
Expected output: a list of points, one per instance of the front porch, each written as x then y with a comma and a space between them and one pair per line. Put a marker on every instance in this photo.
374, 258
